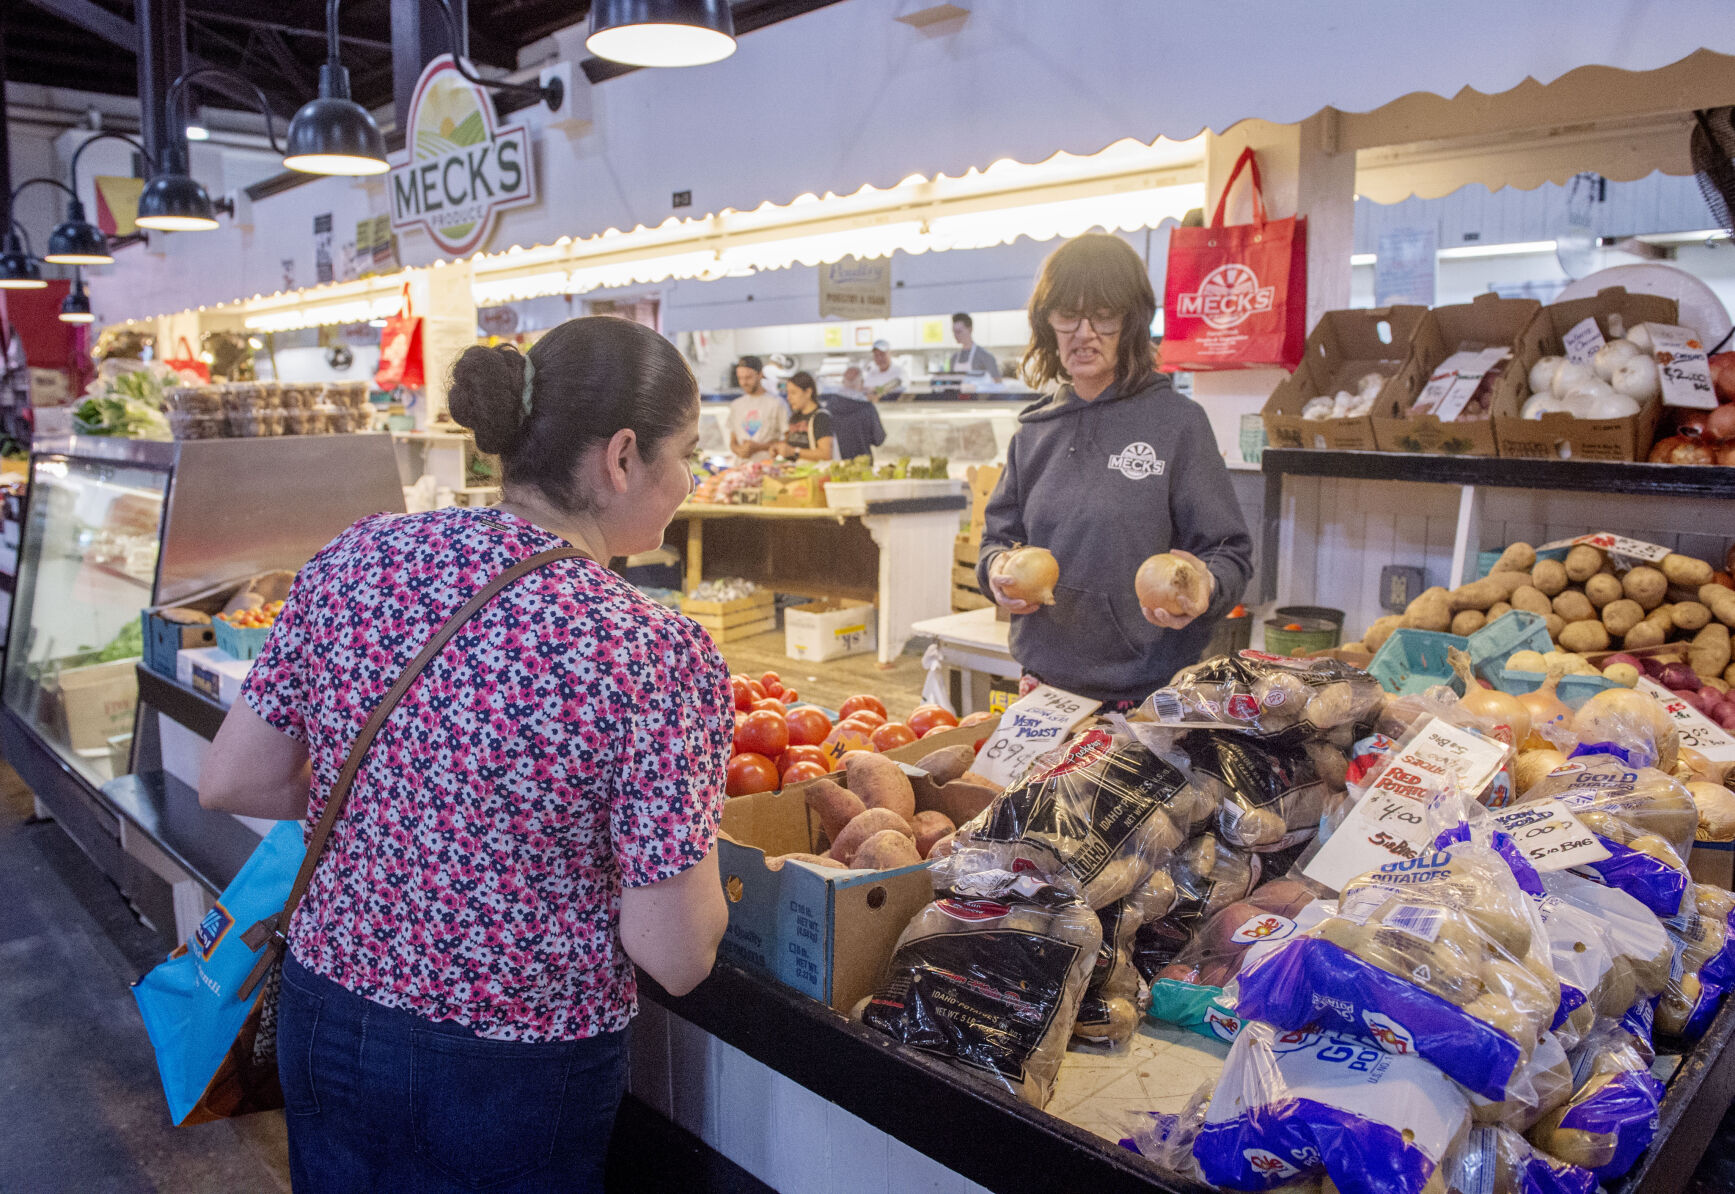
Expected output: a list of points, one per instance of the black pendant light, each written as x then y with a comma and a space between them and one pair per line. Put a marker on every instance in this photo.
174, 201
552, 93
76, 241
18, 268
75, 307
661, 32
333, 134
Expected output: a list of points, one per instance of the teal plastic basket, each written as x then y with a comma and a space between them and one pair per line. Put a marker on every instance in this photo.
1514, 631
240, 642
1413, 660
1573, 690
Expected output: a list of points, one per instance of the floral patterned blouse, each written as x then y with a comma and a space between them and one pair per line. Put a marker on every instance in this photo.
568, 741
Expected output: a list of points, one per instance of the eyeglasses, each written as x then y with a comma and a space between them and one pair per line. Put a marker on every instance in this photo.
1103, 323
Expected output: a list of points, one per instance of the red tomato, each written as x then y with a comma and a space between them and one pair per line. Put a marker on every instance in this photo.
796, 773
862, 701
771, 703
749, 773
804, 753
892, 735
868, 718
772, 684
942, 728
762, 732
808, 726
743, 695
846, 737
757, 689
976, 719
926, 717
790, 696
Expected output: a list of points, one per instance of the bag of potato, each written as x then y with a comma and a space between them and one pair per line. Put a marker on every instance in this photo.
1117, 994
1268, 791
990, 975
1608, 950
1188, 992
1543, 1084
1497, 1160
1266, 694
1205, 877
1703, 963
1643, 817
1295, 1105
1432, 955
1612, 1115
1106, 812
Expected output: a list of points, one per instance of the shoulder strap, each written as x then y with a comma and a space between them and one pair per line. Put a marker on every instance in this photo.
275, 928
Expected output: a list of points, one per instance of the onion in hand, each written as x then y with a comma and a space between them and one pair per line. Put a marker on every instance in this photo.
1178, 586
1027, 575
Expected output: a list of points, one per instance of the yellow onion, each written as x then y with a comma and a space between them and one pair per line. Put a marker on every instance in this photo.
1029, 574
1485, 704
1173, 585
1546, 709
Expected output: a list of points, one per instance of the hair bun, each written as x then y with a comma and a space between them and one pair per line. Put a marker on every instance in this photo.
487, 396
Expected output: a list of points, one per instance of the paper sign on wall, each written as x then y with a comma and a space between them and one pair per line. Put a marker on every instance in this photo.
1032, 726
933, 331
853, 288
1389, 822
1550, 836
833, 337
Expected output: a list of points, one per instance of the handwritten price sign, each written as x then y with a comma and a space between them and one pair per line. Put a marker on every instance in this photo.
1683, 367
1550, 836
1698, 732
1029, 728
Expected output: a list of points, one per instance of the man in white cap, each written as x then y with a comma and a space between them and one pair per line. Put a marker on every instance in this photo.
883, 378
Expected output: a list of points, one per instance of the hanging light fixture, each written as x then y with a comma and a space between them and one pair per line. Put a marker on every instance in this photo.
661, 32
18, 268
333, 134
75, 240
552, 93
174, 201
75, 307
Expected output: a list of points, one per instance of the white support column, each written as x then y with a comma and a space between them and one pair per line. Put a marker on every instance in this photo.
1304, 173
1467, 537
442, 296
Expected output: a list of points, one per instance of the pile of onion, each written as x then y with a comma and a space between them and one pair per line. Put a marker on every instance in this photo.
1487, 705
1029, 574
1546, 709
1173, 585
1619, 715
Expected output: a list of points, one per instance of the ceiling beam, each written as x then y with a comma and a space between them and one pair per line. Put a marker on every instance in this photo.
215, 16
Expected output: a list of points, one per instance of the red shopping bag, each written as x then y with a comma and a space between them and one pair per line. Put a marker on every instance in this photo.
1236, 297
188, 363
401, 350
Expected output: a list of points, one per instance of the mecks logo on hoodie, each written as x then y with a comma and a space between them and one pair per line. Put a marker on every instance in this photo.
1137, 461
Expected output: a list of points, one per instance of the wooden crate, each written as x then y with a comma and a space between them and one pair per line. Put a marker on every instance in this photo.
965, 594
734, 634
731, 621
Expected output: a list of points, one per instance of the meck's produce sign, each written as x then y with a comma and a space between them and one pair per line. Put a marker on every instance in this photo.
462, 170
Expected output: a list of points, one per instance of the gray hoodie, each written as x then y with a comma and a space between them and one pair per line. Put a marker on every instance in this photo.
1104, 485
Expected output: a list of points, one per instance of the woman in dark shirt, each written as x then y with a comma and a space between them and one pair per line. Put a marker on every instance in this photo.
808, 436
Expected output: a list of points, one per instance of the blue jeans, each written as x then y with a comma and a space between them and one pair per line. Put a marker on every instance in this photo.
382, 1100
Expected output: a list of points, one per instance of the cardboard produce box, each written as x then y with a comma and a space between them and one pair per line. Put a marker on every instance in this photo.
1342, 348
793, 492
825, 933
1560, 436
822, 630
1488, 321
98, 702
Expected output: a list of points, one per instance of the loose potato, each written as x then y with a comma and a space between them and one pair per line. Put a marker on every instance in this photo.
1532, 600
835, 806
1689, 615
1380, 631
1602, 589
1645, 634
1720, 601
1729, 675
1687, 572
1646, 586
1621, 616
1549, 576
884, 850
1499, 608
1588, 635
1508, 582
1431, 611
1574, 606
1526, 661
1468, 621
1518, 557
874, 820
1709, 654
947, 763
930, 827
1583, 562
1478, 595
880, 783
1555, 624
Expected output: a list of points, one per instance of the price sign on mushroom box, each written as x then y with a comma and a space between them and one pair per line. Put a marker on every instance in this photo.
462, 170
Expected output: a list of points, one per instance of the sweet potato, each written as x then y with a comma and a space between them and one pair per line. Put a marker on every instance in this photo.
1518, 557
981, 781
776, 864
947, 763
1646, 586
885, 850
1720, 601
1686, 571
1602, 589
1532, 600
1689, 615
1468, 621
835, 805
1709, 653
961, 800
1621, 616
1431, 611
1381, 630
1588, 635
880, 783
930, 827
1583, 562
1549, 576
1477, 595
1574, 606
874, 820
943, 847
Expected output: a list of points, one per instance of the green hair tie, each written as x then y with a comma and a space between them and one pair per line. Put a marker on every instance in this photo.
529, 382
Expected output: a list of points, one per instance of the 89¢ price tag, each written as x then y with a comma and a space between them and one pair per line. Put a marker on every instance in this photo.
1029, 728
1550, 836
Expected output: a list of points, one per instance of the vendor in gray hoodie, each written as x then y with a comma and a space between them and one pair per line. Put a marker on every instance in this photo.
1112, 468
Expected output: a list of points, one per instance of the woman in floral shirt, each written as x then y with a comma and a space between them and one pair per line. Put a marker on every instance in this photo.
537, 814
